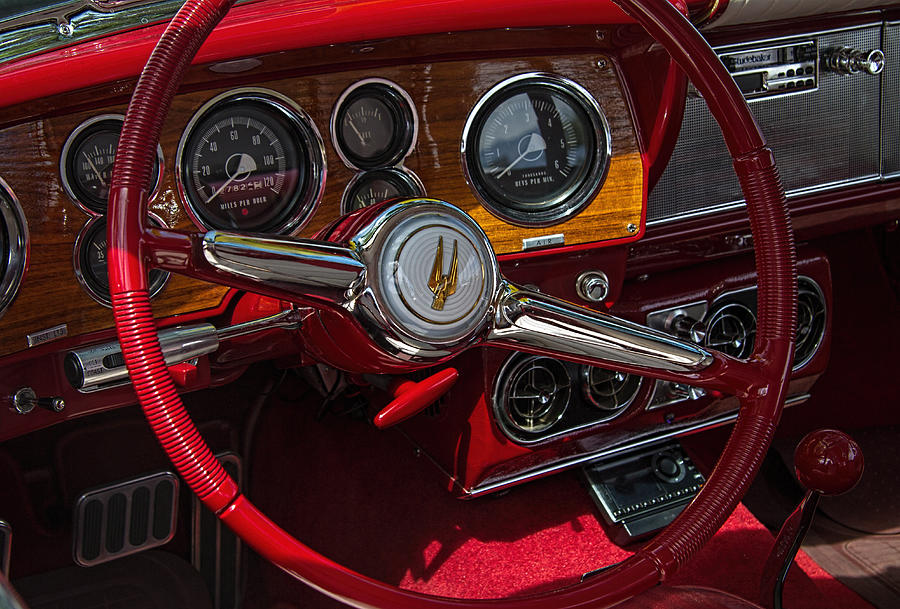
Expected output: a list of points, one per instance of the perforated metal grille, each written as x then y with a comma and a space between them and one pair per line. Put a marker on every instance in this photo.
827, 136
890, 142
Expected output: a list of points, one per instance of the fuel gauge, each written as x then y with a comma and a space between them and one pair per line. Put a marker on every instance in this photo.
378, 185
373, 124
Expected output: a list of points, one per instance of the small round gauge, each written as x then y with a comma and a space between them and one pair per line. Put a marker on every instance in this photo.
378, 185
90, 261
251, 160
13, 246
86, 162
536, 149
373, 124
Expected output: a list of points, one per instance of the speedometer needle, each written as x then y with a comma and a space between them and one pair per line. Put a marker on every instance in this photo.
535, 144
246, 166
94, 168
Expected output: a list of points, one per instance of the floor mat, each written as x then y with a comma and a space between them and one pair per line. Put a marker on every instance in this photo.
362, 497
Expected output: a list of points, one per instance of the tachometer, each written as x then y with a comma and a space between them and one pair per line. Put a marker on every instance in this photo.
251, 160
536, 149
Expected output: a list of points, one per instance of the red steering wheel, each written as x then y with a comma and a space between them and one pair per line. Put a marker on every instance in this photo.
759, 382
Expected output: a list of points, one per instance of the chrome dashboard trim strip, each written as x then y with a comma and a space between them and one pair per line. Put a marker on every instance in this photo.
80, 21
734, 205
564, 464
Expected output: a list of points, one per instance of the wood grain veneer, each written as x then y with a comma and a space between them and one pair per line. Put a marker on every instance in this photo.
443, 92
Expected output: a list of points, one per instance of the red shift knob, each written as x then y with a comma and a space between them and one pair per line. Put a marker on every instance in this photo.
829, 462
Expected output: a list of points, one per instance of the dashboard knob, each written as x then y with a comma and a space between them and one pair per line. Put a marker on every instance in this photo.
846, 60
593, 286
684, 326
828, 462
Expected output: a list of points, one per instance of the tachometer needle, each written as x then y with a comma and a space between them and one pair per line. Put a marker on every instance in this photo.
94, 168
535, 144
246, 166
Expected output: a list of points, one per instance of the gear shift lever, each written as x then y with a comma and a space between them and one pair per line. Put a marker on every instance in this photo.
827, 462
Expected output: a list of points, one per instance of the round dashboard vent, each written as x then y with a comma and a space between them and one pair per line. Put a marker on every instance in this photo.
608, 390
810, 321
732, 329
533, 393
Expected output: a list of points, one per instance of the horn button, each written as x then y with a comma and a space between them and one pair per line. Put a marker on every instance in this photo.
435, 275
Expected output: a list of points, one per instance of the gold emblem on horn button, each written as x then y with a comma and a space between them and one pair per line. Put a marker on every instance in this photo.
442, 285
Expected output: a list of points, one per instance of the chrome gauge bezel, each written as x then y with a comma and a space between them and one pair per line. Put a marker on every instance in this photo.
409, 125
566, 204
80, 241
410, 180
17, 254
306, 200
66, 179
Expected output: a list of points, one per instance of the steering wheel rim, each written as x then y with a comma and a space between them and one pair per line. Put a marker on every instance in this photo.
761, 404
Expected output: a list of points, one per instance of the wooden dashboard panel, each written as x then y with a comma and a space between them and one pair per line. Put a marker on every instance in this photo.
443, 93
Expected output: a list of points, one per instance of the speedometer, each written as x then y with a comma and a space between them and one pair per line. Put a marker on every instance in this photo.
251, 160
536, 149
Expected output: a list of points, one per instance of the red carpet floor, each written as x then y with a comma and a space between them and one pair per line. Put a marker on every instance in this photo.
362, 498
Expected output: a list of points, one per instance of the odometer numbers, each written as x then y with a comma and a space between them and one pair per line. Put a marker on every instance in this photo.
251, 161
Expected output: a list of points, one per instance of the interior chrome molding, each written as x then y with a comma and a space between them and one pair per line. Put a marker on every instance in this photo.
15, 258
78, 21
635, 442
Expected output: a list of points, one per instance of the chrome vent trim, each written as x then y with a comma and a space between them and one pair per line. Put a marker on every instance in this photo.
731, 329
539, 398
811, 322
533, 394
609, 391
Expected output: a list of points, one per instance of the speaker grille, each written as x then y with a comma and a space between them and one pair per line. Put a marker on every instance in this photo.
824, 137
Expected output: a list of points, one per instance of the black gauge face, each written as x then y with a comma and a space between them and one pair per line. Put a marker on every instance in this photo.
251, 164
87, 162
91, 263
373, 125
379, 185
536, 150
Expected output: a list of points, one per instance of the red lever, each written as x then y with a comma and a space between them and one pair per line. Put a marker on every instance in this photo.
412, 397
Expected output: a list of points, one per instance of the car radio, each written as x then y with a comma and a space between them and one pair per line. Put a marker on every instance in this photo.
773, 70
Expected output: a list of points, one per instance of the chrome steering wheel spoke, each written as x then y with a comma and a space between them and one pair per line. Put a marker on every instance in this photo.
526, 320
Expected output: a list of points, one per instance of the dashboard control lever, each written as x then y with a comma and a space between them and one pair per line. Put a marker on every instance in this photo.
827, 462
103, 366
686, 327
411, 397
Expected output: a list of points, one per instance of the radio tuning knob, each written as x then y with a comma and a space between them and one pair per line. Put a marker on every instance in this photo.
846, 60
